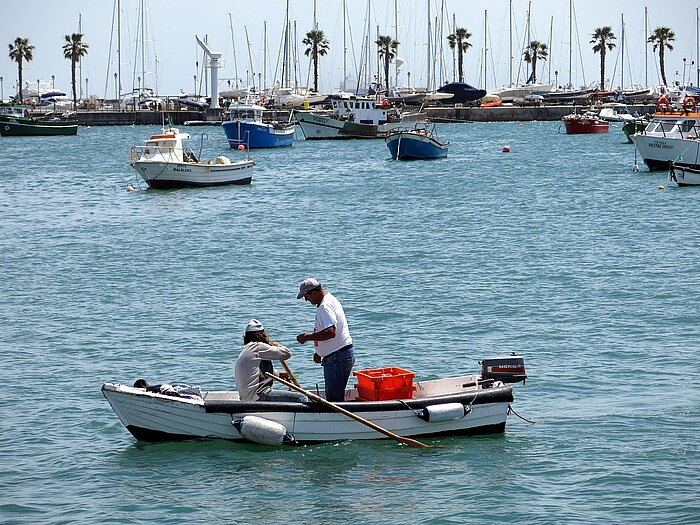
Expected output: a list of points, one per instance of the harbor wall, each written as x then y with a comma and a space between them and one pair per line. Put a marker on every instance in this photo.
436, 114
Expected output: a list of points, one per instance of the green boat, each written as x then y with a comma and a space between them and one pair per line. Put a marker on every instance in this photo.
634, 126
16, 120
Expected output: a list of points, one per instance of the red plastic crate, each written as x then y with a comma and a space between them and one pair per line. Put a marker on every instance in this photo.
385, 383
368, 394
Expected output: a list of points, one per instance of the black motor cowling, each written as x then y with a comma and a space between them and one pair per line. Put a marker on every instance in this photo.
509, 369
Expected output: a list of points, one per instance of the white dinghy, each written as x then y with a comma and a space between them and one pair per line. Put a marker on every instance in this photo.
464, 405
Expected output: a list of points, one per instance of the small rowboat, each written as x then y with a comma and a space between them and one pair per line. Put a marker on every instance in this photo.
463, 405
416, 143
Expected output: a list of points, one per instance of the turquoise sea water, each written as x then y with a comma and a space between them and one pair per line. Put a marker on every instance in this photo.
557, 251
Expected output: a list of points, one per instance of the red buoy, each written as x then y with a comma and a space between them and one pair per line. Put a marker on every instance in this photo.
241, 147
506, 149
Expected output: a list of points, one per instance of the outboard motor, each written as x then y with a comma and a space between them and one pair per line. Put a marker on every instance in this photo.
509, 369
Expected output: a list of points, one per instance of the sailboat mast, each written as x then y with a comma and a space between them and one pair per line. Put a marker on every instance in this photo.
430, 57
571, 36
119, 48
646, 47
622, 46
264, 83
697, 45
345, 49
396, 28
233, 44
485, 48
143, 45
80, 60
510, 42
549, 62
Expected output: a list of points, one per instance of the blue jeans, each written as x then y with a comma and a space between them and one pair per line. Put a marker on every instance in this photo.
278, 395
336, 372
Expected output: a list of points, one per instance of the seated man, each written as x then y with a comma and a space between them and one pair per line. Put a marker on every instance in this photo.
255, 360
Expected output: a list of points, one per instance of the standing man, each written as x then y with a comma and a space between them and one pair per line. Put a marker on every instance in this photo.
331, 337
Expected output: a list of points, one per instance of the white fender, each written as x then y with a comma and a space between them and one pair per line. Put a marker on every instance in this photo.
263, 431
444, 412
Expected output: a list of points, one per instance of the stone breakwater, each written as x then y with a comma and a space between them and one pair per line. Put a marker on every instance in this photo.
436, 114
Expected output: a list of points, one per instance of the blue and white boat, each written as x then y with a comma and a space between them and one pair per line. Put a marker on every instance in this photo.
415, 143
245, 126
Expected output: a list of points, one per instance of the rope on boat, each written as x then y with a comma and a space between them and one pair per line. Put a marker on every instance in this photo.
512, 411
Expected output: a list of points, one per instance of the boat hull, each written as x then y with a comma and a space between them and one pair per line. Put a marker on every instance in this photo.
166, 175
323, 127
632, 127
658, 152
410, 145
579, 127
257, 135
156, 417
684, 176
24, 127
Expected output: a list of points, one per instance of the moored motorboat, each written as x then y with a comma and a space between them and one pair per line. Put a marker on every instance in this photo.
467, 405
162, 162
355, 117
245, 126
684, 175
631, 127
415, 143
581, 123
16, 120
673, 135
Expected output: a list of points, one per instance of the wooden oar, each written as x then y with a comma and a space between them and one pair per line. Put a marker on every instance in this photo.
406, 441
290, 373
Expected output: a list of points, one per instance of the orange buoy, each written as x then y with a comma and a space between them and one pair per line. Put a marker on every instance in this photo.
241, 147
521, 124
129, 188
506, 149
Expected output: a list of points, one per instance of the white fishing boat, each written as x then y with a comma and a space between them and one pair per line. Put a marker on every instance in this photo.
672, 136
355, 117
163, 162
386, 398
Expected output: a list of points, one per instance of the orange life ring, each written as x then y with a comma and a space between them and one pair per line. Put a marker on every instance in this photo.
689, 104
662, 104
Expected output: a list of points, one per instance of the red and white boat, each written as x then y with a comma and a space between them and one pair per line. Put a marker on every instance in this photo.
588, 122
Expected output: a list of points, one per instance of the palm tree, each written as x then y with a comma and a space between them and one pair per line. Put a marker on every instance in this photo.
534, 52
21, 50
661, 38
602, 38
460, 40
319, 46
74, 49
387, 50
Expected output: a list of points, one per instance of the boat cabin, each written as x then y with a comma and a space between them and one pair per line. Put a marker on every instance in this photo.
685, 127
246, 112
361, 110
13, 110
164, 147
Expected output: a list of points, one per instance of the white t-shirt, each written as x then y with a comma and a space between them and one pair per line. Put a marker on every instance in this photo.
330, 313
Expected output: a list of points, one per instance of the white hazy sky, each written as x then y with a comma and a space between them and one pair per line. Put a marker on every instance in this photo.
171, 48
